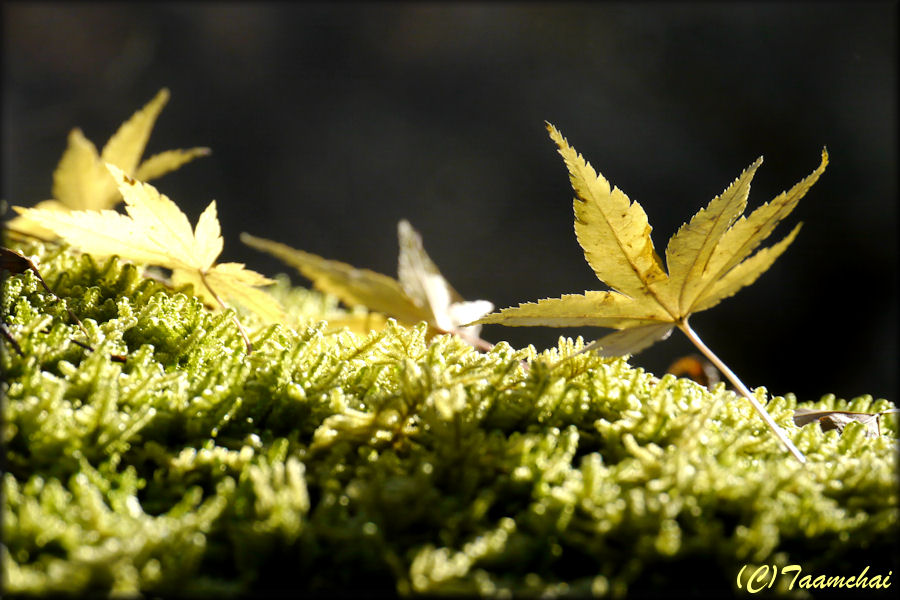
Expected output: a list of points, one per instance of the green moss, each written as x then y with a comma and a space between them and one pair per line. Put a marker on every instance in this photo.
330, 461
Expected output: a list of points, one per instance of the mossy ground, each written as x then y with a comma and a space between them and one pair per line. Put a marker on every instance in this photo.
331, 462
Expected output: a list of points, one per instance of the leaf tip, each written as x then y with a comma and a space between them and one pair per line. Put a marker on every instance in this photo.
561, 142
113, 169
162, 96
249, 240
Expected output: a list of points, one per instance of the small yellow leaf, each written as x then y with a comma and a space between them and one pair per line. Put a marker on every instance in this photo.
81, 181
155, 231
421, 294
707, 258
354, 287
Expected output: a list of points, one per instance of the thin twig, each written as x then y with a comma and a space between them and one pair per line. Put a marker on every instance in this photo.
113, 357
744, 391
9, 337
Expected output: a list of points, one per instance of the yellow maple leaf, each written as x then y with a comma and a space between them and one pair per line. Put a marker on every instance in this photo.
420, 293
81, 181
707, 260
155, 231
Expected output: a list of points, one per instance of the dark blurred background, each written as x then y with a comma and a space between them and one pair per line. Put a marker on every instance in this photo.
329, 123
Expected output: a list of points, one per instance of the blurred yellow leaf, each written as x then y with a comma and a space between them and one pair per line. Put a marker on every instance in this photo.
156, 232
81, 181
420, 293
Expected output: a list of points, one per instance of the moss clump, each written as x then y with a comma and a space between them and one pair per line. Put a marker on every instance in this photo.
326, 461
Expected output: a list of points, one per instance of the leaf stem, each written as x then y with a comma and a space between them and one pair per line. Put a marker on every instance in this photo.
740, 387
225, 307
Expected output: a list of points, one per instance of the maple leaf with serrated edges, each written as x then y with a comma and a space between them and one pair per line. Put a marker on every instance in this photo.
155, 231
81, 181
420, 293
708, 260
